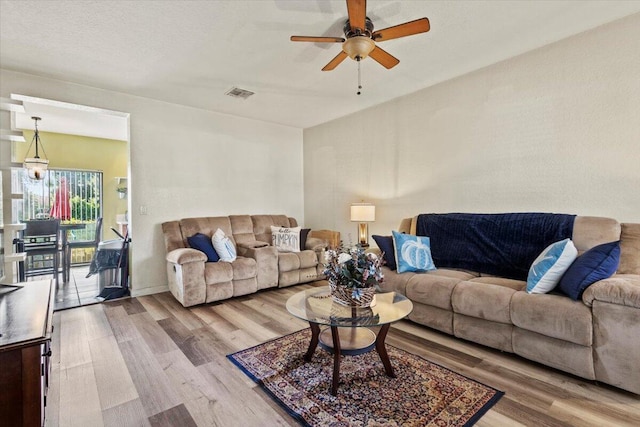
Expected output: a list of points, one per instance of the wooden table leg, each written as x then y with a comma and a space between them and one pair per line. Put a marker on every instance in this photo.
315, 333
382, 350
336, 360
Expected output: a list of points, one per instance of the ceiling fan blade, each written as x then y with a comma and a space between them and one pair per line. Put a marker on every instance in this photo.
357, 10
335, 61
317, 39
384, 58
407, 29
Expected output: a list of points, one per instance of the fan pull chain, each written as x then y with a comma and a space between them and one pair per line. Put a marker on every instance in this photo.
359, 76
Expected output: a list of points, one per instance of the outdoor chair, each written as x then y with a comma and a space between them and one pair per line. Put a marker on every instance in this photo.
78, 244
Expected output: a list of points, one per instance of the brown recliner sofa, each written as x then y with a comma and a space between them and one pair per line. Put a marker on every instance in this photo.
193, 280
597, 338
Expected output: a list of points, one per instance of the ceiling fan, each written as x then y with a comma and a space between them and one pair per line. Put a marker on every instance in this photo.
360, 39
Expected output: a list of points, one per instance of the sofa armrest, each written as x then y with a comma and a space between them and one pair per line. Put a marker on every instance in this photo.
266, 258
330, 237
620, 289
186, 255
316, 244
376, 251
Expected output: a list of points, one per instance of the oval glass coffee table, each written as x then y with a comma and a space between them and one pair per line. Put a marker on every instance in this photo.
347, 329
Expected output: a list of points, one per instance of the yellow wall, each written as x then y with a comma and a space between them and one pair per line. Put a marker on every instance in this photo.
82, 152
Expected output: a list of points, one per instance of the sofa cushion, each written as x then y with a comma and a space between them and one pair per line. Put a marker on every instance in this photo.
565, 355
262, 225
217, 272
597, 263
483, 301
286, 239
206, 225
454, 273
548, 268
308, 258
431, 289
385, 243
242, 227
291, 261
412, 253
204, 244
553, 316
288, 261
244, 268
518, 285
590, 231
394, 282
223, 246
629, 249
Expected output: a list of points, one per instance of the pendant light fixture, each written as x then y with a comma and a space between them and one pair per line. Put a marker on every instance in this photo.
36, 167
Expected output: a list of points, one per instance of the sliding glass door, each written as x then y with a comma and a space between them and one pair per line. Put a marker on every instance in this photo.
74, 196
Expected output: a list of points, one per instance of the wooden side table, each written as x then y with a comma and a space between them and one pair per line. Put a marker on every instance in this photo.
25, 350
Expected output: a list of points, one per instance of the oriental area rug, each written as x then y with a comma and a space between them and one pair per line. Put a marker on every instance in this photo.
422, 394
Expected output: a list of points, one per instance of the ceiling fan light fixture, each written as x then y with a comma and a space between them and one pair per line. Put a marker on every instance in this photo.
358, 46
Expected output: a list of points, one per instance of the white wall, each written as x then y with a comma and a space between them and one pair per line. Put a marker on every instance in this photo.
187, 162
553, 130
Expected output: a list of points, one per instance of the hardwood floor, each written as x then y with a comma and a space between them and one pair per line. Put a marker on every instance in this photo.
148, 361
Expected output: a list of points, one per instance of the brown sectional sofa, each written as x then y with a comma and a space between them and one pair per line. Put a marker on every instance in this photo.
597, 338
193, 280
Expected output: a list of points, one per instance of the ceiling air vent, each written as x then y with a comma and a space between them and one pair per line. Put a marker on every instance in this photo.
236, 92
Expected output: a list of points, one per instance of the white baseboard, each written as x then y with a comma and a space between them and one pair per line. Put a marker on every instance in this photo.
149, 290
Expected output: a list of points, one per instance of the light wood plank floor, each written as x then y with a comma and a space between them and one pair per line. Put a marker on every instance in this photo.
148, 361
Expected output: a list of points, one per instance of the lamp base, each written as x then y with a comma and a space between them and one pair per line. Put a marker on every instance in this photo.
363, 235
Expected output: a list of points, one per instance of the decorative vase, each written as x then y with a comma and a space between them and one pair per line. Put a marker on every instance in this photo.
343, 295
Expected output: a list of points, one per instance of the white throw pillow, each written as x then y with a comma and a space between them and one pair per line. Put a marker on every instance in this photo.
223, 246
286, 239
551, 264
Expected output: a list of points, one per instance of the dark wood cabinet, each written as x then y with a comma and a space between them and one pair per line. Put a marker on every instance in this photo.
25, 351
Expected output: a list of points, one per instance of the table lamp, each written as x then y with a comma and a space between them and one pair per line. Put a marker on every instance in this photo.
363, 213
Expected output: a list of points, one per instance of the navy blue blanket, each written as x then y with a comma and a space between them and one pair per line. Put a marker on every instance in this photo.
499, 244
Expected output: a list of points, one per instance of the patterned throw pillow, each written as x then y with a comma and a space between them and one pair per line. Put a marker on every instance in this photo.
224, 246
286, 239
551, 264
413, 253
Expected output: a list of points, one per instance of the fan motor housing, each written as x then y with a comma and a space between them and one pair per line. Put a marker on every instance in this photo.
353, 32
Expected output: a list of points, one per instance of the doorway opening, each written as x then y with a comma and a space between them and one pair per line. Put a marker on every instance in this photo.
89, 156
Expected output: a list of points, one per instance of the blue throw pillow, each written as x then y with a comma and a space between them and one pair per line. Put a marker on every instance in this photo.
413, 253
599, 262
203, 243
551, 264
385, 243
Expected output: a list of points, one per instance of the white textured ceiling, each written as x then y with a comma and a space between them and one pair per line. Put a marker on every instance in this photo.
192, 52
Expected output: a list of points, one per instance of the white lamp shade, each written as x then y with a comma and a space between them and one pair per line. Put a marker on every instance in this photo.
363, 213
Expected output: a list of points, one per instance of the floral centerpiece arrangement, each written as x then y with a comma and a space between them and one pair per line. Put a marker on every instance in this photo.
353, 275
